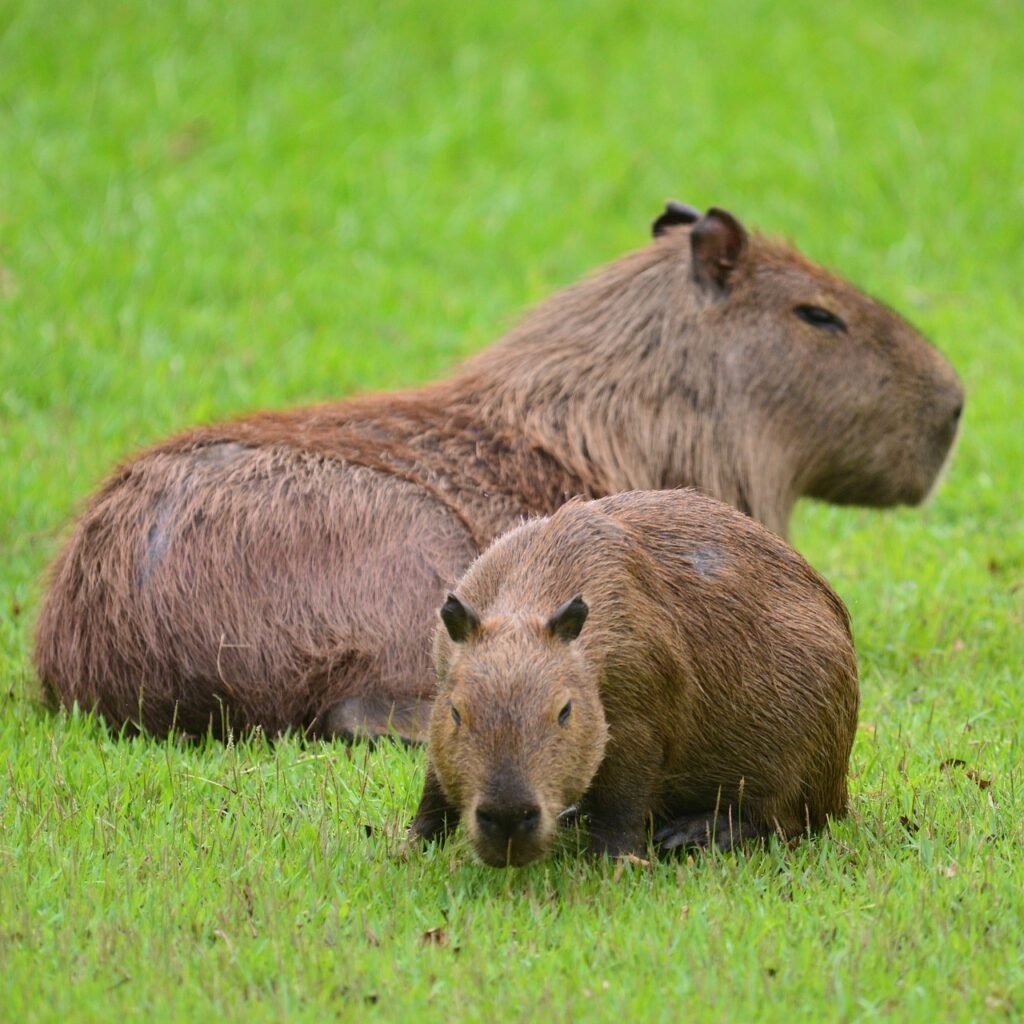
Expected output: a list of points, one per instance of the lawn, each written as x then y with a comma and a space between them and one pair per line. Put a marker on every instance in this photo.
207, 208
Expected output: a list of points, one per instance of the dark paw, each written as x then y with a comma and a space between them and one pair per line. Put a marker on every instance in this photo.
704, 831
617, 844
435, 817
430, 827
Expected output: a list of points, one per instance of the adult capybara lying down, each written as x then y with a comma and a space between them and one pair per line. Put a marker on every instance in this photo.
283, 570
652, 657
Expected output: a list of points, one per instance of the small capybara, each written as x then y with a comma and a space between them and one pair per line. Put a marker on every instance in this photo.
653, 658
283, 570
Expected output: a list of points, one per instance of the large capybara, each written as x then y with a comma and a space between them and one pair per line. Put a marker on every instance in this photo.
654, 658
283, 570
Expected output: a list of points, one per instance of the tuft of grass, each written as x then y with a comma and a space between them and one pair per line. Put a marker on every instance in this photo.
207, 209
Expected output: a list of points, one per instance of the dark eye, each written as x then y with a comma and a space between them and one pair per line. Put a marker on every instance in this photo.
563, 715
456, 717
818, 317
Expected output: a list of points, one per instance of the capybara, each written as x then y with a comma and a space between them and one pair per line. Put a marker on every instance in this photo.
283, 570
654, 658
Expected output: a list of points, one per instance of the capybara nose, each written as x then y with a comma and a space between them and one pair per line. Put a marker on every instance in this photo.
504, 823
951, 424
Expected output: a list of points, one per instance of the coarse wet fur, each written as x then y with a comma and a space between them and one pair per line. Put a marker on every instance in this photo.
283, 570
655, 658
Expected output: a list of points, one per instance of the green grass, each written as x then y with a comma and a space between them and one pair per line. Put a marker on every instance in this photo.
207, 207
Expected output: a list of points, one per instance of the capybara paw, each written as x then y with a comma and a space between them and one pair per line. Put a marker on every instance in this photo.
704, 831
617, 844
373, 717
429, 827
419, 833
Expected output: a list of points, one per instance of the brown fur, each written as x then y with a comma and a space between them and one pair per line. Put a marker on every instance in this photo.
282, 570
713, 686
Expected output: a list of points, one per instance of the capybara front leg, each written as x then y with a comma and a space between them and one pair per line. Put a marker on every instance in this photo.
617, 827
374, 717
435, 816
723, 830
617, 839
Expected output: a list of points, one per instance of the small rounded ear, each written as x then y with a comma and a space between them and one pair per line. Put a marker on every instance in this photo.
568, 619
675, 213
459, 619
717, 242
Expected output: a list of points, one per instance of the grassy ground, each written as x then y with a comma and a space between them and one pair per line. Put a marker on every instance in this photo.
206, 208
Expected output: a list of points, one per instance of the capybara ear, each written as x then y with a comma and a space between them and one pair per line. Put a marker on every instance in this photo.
459, 619
568, 619
717, 242
675, 213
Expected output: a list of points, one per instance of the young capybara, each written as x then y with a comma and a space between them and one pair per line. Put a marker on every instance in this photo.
652, 657
283, 570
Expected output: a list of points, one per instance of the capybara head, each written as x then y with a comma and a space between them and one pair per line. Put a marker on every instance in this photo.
517, 730
725, 361
871, 406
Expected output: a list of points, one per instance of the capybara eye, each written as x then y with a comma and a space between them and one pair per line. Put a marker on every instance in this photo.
818, 317
456, 717
563, 715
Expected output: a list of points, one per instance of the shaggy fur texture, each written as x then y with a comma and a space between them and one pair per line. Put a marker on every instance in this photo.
284, 570
711, 689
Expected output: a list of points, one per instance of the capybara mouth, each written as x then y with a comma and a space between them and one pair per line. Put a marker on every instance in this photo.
514, 854
921, 490
946, 436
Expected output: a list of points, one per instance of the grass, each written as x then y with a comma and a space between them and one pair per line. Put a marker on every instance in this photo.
206, 208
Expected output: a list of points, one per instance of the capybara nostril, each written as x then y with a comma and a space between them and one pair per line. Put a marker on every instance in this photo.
529, 820
486, 822
958, 411
508, 822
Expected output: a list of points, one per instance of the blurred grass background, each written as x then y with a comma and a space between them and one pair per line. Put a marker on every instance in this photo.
207, 208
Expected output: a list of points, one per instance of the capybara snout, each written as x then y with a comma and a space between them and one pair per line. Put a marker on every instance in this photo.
510, 833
